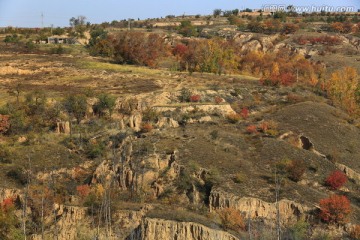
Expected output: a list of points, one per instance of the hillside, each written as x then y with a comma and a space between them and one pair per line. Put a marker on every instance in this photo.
94, 148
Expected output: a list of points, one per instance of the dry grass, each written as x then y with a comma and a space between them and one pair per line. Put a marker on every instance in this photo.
95, 65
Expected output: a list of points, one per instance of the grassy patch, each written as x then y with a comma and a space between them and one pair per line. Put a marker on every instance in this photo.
116, 67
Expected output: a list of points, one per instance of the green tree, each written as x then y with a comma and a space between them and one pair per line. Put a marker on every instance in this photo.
280, 15
11, 39
76, 106
80, 20
187, 29
217, 12
58, 31
106, 102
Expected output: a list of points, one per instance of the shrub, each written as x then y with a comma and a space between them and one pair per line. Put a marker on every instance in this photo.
57, 50
251, 129
185, 95
335, 209
336, 180
5, 156
214, 134
296, 170
83, 190
244, 113
269, 127
195, 98
239, 178
147, 127
299, 230
4, 123
95, 150
294, 98
218, 100
150, 115
185, 181
232, 219
355, 232
233, 117
18, 175
106, 102
7, 204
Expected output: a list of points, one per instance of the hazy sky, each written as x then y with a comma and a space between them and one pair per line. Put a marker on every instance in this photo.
27, 13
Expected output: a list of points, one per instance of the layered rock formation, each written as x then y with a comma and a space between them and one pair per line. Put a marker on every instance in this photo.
290, 211
153, 228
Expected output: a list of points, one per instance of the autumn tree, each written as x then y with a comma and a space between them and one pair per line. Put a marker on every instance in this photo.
9, 223
232, 219
139, 48
336, 180
40, 200
4, 123
212, 56
335, 209
342, 88
100, 43
289, 28
83, 190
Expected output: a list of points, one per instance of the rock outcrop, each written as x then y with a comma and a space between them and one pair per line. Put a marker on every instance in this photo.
154, 228
69, 217
353, 175
135, 121
63, 127
166, 122
221, 109
132, 172
290, 211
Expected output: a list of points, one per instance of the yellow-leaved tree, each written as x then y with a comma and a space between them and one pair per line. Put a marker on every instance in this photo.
343, 89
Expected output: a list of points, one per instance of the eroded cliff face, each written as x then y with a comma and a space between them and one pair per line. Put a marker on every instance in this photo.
133, 172
290, 211
154, 228
68, 221
74, 223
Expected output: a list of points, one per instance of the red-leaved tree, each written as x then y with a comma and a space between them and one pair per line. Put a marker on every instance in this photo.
4, 123
335, 209
244, 113
83, 190
7, 204
336, 180
195, 98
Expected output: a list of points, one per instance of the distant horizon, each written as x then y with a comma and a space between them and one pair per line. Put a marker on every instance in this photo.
41, 13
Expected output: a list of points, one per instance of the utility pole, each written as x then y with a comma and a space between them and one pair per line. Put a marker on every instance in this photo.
42, 20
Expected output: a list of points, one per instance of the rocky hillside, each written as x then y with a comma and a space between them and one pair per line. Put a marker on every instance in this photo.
91, 149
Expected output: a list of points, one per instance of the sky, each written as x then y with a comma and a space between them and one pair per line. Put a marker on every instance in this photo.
27, 13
